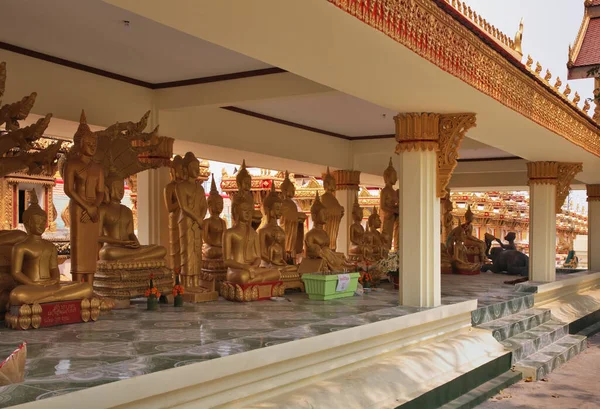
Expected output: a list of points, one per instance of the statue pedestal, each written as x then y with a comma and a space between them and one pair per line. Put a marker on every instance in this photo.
199, 294
292, 279
122, 281
54, 313
215, 268
252, 292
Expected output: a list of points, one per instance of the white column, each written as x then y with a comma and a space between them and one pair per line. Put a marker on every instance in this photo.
419, 237
593, 193
347, 182
152, 213
542, 232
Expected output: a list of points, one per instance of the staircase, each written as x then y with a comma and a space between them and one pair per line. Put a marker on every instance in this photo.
539, 343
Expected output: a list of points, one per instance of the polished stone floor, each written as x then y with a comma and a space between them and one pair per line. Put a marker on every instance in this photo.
133, 342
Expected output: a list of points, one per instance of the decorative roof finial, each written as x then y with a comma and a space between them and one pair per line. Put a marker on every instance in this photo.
519, 39
548, 76
557, 84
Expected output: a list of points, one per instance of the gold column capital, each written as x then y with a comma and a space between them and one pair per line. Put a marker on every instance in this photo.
442, 133
593, 193
346, 179
560, 174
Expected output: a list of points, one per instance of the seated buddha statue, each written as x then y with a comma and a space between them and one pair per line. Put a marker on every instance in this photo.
35, 265
118, 238
473, 245
317, 242
241, 248
376, 246
271, 236
457, 252
213, 227
357, 233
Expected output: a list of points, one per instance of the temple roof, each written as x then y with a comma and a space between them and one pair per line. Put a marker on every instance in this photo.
585, 53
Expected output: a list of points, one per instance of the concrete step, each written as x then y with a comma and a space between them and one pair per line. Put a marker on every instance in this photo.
490, 310
484, 391
531, 341
515, 324
547, 359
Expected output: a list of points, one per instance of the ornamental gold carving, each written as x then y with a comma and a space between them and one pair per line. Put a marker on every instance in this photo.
559, 174
440, 132
427, 29
346, 179
593, 193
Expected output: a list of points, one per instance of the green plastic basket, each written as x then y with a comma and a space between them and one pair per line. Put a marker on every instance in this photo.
322, 287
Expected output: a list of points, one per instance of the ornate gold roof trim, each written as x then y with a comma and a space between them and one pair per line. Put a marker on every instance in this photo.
442, 39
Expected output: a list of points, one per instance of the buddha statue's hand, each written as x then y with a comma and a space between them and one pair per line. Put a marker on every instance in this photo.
252, 271
132, 244
92, 212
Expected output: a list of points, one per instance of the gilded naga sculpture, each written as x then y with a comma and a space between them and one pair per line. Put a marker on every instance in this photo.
34, 265
193, 205
177, 176
292, 220
84, 185
388, 204
357, 249
213, 229
119, 242
271, 236
335, 211
318, 245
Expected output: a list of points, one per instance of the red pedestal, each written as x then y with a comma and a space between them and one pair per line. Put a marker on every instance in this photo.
50, 314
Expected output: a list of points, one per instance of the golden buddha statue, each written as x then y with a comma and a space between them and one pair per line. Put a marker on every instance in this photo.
291, 218
243, 179
118, 238
474, 246
374, 241
317, 242
213, 227
84, 185
34, 265
272, 237
457, 252
388, 204
174, 211
357, 233
241, 248
335, 211
193, 205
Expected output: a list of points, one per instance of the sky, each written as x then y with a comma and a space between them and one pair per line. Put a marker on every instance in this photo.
549, 27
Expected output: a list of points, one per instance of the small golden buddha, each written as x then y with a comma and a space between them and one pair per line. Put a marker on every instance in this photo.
291, 218
375, 242
317, 242
467, 238
35, 265
457, 252
271, 236
243, 179
213, 227
241, 248
357, 232
192, 201
388, 204
335, 211
174, 211
118, 238
84, 185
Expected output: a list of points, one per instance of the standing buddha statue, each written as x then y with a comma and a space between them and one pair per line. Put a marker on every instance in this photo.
193, 205
243, 179
177, 175
335, 211
357, 233
84, 185
388, 204
213, 228
291, 218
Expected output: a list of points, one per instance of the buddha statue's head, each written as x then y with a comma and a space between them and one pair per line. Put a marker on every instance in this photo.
272, 204
177, 168
329, 182
390, 176
243, 178
357, 211
241, 210
278, 236
85, 138
34, 217
374, 221
114, 189
288, 190
318, 212
214, 201
191, 164
469, 215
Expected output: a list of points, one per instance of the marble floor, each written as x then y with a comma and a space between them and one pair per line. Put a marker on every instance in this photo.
133, 342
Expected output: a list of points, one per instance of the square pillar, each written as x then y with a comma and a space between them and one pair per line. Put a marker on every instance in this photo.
347, 182
153, 221
428, 148
593, 198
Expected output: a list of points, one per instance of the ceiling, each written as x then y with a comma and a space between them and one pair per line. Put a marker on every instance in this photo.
92, 32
